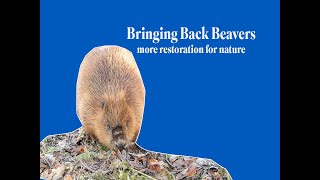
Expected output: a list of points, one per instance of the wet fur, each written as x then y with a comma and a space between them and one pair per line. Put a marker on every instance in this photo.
110, 92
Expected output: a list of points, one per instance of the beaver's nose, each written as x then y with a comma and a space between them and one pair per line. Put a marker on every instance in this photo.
120, 145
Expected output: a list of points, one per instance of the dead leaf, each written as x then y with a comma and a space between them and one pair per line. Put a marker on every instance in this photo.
202, 161
155, 165
62, 144
110, 163
188, 162
191, 170
180, 175
43, 165
67, 177
58, 172
212, 170
49, 159
216, 176
44, 174
159, 167
173, 158
139, 156
151, 161
114, 153
122, 154
178, 164
80, 149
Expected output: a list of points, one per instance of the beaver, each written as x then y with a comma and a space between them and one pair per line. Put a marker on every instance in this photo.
110, 96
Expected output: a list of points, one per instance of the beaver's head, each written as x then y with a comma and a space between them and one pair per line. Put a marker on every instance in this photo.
115, 124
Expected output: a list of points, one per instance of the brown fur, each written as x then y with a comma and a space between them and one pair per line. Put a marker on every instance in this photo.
110, 94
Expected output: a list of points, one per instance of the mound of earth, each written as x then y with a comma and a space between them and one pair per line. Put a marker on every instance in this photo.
76, 156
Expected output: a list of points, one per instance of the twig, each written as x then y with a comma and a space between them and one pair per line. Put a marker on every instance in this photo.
119, 155
139, 155
142, 173
168, 161
74, 166
90, 169
44, 146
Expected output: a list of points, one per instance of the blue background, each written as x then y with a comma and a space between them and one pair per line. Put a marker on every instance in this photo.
222, 107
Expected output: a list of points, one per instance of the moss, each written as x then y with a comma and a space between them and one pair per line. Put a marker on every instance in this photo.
104, 148
122, 175
168, 175
86, 155
99, 176
52, 149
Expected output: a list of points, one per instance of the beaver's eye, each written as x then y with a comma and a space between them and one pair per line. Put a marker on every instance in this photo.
109, 127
